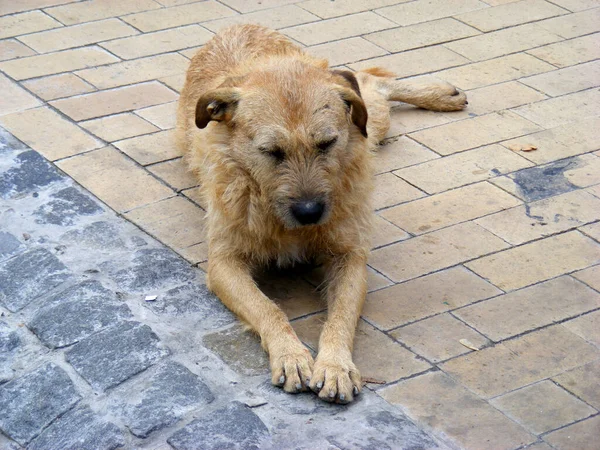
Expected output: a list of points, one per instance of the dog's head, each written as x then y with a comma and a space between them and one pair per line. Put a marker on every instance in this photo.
294, 128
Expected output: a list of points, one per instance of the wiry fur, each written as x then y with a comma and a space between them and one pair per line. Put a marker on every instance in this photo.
257, 97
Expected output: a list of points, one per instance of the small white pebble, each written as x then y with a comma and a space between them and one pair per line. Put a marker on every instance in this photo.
151, 298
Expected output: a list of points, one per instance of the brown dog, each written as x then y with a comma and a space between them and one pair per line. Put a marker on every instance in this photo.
282, 146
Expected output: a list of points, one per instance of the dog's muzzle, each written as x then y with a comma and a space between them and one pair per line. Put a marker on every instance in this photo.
308, 212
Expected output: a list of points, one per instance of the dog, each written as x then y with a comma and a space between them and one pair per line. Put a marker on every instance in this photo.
282, 146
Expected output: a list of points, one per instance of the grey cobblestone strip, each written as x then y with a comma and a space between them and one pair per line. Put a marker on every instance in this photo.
87, 362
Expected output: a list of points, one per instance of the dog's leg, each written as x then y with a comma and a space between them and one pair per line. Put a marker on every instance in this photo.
335, 377
291, 362
440, 96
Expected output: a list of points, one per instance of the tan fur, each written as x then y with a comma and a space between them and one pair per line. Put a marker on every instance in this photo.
264, 106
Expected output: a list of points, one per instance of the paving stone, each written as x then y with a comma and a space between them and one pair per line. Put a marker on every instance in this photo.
326, 9
571, 52
434, 251
58, 86
466, 134
529, 308
74, 314
385, 233
161, 400
30, 403
590, 276
302, 404
9, 342
115, 179
150, 149
97, 235
582, 435
29, 172
587, 327
113, 101
440, 402
528, 264
98, 9
68, 204
391, 190
573, 25
395, 153
151, 269
163, 116
118, 126
451, 207
567, 80
518, 362
28, 22
49, 133
234, 426
295, 296
437, 338
406, 118
584, 382
12, 49
246, 6
8, 143
195, 254
80, 428
192, 300
175, 173
346, 51
426, 296
113, 355
274, 18
9, 245
497, 97
424, 10
577, 5
239, 349
14, 97
29, 275
592, 230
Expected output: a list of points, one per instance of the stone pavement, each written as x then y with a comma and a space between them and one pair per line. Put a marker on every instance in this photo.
475, 239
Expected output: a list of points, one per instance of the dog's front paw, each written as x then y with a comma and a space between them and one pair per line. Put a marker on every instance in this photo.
448, 98
292, 369
335, 380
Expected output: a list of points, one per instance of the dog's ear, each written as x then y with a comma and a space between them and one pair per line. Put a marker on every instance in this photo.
350, 93
218, 104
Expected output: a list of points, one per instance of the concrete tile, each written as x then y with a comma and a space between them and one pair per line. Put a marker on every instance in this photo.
295, 296
77, 35
376, 355
494, 71
129, 72
568, 80
58, 86
104, 103
592, 230
65, 61
274, 18
400, 152
421, 35
441, 403
594, 190
160, 42
582, 435
328, 9
25, 23
449, 208
437, 338
391, 190
406, 118
584, 382
424, 297
462, 168
427, 10
175, 221
151, 148
177, 16
115, 179
521, 266
574, 25
175, 173
571, 52
435, 251
561, 141
542, 407
98, 9
163, 116
117, 127
568, 108
346, 51
503, 42
385, 233
590, 276
48, 133
12, 49
376, 281
195, 254
175, 82
543, 218
195, 195
586, 327
497, 370
535, 306
415, 62
246, 6
510, 14
25, 5
501, 96
577, 5
338, 28
476, 132
14, 98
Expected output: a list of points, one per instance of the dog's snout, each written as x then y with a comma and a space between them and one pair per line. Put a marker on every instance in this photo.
308, 212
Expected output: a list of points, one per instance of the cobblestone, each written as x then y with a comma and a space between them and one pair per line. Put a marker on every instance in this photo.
67, 203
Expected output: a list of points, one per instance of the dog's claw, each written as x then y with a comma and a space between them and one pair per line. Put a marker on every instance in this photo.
298, 386
355, 390
281, 380
319, 385
331, 394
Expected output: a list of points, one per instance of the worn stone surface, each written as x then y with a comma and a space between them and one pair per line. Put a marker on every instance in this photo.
30, 403
31, 172
9, 245
67, 204
113, 355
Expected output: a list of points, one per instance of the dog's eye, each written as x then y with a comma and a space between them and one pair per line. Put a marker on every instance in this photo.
274, 152
325, 145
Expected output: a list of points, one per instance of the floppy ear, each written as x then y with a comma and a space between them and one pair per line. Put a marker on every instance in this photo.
218, 104
350, 93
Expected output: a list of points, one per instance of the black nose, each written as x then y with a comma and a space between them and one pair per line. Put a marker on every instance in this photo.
307, 212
